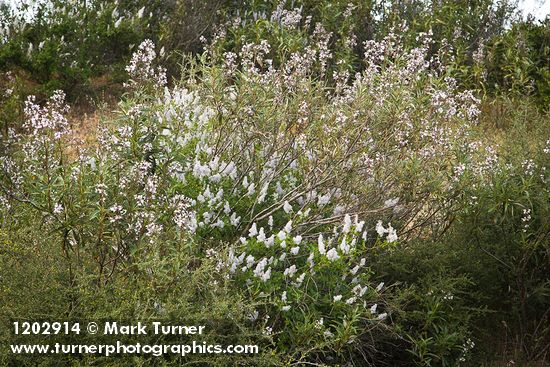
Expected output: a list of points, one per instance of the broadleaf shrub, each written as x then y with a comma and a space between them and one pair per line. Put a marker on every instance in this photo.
285, 179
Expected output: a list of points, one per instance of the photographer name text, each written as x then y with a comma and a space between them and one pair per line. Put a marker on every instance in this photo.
106, 328
155, 328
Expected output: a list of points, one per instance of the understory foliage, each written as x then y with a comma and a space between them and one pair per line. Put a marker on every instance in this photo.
331, 214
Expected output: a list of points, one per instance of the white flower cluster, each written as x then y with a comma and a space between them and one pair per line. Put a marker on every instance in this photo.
280, 261
141, 69
390, 231
45, 128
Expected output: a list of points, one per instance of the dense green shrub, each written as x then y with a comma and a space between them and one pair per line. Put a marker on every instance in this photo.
518, 62
64, 46
496, 252
41, 280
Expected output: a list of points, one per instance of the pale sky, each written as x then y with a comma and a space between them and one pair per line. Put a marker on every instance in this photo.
539, 8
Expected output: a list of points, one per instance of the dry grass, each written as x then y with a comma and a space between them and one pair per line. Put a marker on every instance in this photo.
85, 122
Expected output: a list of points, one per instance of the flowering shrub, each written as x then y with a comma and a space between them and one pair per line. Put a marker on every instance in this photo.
299, 183
289, 178
140, 68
